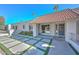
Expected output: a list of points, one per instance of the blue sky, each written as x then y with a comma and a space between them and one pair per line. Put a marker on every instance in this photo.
14, 13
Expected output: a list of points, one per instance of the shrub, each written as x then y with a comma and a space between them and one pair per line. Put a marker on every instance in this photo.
26, 33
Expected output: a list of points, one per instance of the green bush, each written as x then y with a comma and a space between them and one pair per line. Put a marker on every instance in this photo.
26, 33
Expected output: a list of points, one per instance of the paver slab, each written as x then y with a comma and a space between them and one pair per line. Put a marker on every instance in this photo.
18, 37
36, 38
24, 39
34, 51
8, 45
46, 40
31, 41
4, 38
41, 45
8, 41
19, 48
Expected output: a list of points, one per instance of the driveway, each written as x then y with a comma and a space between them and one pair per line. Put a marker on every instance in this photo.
45, 45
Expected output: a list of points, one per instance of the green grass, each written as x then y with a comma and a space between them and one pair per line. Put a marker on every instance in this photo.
5, 49
47, 50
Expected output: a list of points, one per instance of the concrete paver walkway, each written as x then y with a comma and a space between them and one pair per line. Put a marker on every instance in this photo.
46, 45
41, 45
15, 46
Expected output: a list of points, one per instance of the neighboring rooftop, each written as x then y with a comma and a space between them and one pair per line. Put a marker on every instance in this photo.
1, 20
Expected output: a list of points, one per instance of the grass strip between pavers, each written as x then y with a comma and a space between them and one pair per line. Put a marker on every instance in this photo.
5, 49
30, 47
38, 47
47, 50
22, 37
15, 45
26, 50
8, 52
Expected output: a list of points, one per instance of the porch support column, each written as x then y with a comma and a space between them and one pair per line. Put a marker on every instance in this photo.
70, 30
35, 29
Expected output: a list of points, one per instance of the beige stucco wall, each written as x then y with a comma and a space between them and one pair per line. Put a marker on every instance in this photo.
20, 26
52, 28
72, 27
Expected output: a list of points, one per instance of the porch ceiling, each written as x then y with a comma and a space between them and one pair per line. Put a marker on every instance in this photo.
64, 15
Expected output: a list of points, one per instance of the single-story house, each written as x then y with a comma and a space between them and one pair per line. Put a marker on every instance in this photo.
62, 24
2, 24
19, 27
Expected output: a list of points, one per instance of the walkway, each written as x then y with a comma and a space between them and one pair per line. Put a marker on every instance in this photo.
41, 45
12, 46
45, 45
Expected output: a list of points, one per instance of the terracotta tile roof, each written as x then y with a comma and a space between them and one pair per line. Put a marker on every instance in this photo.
76, 10
66, 14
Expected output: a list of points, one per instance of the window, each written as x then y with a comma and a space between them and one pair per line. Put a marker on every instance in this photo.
12, 27
16, 27
30, 27
23, 26
45, 29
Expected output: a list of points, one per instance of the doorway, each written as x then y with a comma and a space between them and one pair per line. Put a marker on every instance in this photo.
60, 30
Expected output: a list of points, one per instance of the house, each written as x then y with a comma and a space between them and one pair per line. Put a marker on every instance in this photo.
3, 27
19, 27
22, 26
61, 24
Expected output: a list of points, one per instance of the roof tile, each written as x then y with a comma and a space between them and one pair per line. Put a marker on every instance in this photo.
66, 14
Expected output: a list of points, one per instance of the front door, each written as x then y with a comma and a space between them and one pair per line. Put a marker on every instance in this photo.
60, 29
